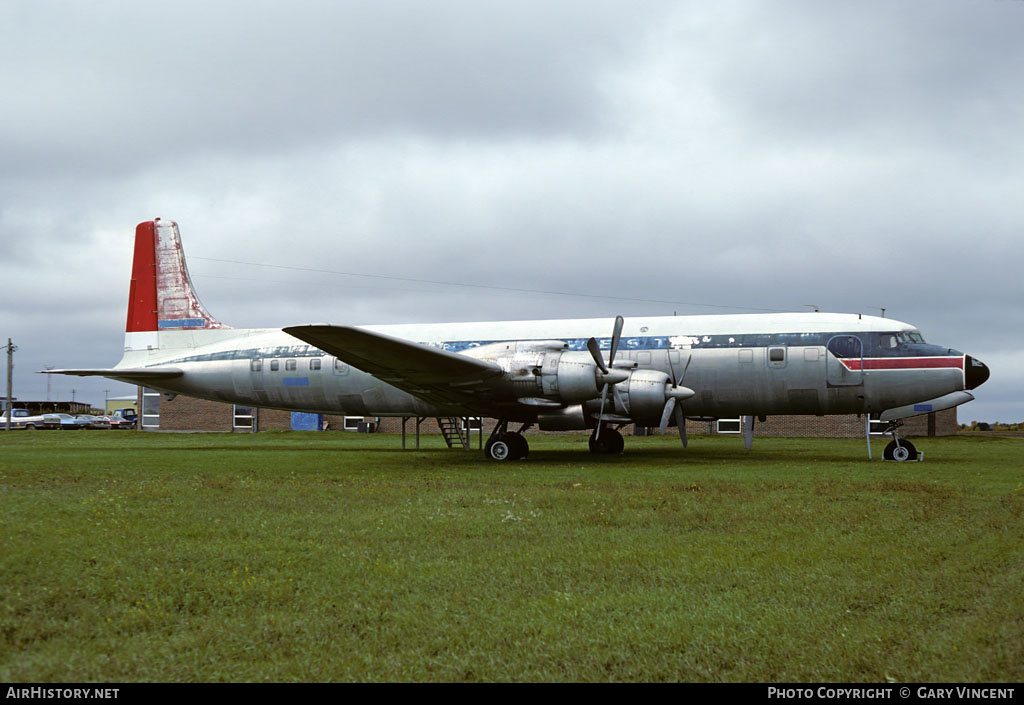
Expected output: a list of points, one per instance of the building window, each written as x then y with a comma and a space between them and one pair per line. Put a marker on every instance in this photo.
150, 408
289, 365
472, 423
275, 365
352, 423
314, 364
256, 366
244, 417
729, 426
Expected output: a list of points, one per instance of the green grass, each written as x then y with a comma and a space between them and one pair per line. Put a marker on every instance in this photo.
301, 556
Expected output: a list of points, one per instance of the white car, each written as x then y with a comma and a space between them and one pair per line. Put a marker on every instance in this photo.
24, 419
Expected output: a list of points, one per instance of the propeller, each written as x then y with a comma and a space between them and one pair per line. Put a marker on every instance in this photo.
610, 377
672, 406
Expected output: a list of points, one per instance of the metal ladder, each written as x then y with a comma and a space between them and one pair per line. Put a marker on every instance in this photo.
451, 429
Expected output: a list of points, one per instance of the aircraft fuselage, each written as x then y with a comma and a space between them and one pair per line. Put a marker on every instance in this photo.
736, 365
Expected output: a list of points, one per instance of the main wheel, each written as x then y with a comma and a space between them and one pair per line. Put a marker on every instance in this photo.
499, 448
608, 443
901, 453
506, 446
520, 448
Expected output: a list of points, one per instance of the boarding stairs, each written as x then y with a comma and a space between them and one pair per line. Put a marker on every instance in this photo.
453, 431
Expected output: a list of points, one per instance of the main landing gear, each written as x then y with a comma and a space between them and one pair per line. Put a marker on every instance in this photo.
607, 442
897, 450
504, 445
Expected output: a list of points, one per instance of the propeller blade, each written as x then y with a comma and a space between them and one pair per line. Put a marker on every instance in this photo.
671, 370
616, 334
600, 414
620, 400
670, 406
595, 352
689, 359
681, 422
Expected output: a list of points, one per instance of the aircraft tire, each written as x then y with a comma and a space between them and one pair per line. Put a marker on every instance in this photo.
520, 447
609, 443
905, 452
507, 446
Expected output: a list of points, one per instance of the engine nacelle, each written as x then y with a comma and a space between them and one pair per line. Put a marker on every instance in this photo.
644, 394
571, 418
570, 377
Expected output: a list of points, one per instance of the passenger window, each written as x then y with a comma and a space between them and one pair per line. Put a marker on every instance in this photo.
275, 365
776, 354
314, 364
289, 365
256, 365
339, 365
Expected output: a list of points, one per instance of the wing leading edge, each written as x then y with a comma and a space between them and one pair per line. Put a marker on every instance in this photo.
434, 375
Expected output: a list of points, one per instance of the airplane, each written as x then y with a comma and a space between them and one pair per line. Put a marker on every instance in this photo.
555, 374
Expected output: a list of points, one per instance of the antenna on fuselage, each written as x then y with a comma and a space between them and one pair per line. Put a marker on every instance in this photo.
815, 307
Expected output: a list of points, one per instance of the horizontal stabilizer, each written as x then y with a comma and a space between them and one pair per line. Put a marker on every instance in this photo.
132, 375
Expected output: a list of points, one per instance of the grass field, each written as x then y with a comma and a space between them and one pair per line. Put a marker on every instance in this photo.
302, 556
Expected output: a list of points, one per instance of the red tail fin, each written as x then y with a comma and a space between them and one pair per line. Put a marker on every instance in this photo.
161, 296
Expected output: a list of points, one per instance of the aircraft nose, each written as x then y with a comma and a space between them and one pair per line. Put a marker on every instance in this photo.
976, 372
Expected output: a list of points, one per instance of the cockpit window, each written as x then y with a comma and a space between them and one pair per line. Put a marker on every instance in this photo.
911, 336
888, 341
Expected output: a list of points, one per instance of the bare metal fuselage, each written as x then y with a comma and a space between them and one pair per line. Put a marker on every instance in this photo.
736, 365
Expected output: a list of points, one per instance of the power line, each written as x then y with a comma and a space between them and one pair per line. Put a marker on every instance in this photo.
488, 286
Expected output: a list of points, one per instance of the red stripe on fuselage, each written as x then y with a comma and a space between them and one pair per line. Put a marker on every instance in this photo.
904, 363
142, 292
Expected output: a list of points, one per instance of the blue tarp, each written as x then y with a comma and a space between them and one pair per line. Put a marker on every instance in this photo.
307, 422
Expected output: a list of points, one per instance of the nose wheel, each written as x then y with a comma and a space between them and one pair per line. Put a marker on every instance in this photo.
900, 451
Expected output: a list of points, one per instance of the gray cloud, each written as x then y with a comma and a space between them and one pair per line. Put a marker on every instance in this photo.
764, 155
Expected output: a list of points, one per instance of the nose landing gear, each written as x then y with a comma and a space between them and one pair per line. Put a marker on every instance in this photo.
899, 451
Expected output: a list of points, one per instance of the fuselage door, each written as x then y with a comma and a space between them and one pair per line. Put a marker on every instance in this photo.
844, 363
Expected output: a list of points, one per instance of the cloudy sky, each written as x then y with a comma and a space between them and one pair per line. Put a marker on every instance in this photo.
639, 159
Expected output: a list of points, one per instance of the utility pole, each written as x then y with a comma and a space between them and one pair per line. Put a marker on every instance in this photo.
10, 377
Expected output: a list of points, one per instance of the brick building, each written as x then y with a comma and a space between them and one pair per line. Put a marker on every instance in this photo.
190, 414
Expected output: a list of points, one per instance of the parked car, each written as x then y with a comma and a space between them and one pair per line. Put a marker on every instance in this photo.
118, 422
128, 415
24, 419
94, 421
70, 423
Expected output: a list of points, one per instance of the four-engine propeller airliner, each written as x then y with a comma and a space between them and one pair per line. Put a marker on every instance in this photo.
552, 373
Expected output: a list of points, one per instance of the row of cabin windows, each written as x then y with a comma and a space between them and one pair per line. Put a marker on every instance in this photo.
293, 365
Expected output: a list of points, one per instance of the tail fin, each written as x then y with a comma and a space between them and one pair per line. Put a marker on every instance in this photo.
161, 296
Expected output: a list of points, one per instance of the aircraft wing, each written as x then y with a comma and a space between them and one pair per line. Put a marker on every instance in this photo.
434, 375
132, 375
